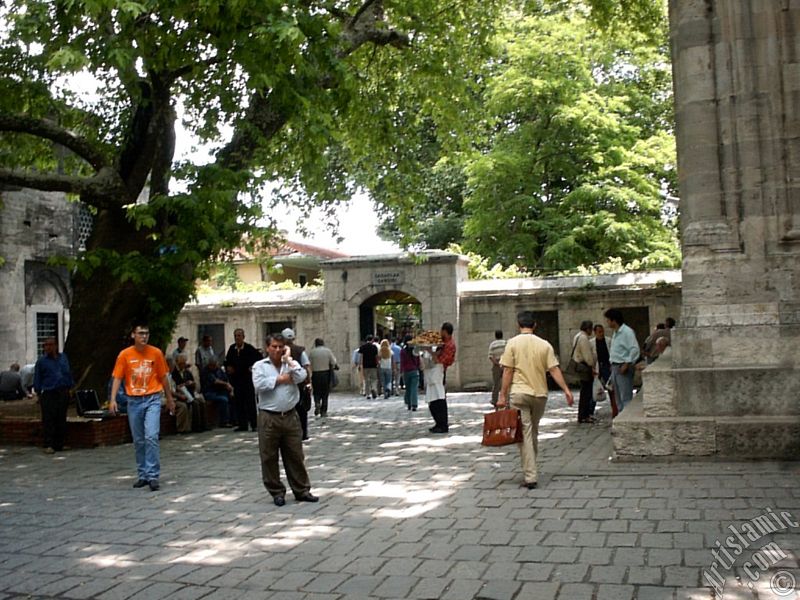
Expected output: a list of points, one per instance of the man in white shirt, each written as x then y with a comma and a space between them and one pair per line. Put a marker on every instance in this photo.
275, 380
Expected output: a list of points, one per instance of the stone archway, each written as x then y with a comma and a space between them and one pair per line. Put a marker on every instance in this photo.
389, 313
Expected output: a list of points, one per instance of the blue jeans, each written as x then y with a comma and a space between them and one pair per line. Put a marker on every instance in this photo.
623, 386
144, 417
411, 379
386, 379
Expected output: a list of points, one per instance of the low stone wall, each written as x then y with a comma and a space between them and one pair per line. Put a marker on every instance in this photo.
82, 433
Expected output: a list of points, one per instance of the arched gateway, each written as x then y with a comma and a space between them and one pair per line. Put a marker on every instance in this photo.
355, 288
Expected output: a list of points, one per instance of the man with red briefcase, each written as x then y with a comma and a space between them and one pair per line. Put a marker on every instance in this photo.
526, 361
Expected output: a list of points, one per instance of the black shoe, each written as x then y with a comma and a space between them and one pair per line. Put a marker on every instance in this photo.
140, 484
414, 408
437, 430
279, 500
306, 497
531, 486
241, 429
154, 485
374, 395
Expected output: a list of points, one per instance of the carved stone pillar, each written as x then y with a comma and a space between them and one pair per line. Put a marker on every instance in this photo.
730, 384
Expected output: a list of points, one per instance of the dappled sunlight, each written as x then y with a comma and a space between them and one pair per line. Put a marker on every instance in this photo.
224, 497
426, 443
372, 463
379, 489
110, 560
409, 512
552, 435
206, 556
381, 459
306, 531
277, 543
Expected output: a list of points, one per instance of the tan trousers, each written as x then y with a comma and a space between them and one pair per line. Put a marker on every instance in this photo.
282, 434
531, 409
183, 417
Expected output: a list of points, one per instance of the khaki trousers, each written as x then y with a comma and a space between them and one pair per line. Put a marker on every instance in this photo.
531, 409
282, 434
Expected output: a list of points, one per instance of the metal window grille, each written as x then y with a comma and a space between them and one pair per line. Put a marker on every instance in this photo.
46, 327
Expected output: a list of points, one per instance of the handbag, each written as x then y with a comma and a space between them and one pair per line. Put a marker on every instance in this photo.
578, 369
501, 428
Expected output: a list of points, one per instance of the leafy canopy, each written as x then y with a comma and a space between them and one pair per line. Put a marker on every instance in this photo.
575, 156
316, 95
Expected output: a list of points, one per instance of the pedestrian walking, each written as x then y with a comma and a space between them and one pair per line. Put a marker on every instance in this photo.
526, 361
142, 370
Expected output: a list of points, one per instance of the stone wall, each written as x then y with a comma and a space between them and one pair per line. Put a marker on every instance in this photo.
34, 227
572, 299
476, 308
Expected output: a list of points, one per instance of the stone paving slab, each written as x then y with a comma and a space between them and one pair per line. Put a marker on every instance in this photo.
403, 514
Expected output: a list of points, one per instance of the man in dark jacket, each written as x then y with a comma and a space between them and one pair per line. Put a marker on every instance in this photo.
239, 361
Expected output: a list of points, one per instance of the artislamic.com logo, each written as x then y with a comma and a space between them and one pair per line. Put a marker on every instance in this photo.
766, 554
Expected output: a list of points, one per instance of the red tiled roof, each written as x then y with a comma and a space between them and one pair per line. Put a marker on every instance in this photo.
288, 247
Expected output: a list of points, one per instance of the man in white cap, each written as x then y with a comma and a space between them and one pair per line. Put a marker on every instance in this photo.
299, 355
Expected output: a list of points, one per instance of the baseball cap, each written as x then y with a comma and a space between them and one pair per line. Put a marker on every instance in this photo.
182, 339
288, 333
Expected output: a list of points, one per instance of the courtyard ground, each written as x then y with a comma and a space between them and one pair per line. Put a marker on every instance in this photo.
403, 514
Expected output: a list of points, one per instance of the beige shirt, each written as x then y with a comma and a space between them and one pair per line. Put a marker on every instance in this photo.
531, 357
584, 351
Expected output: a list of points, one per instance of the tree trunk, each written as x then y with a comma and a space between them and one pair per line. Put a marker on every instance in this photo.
103, 308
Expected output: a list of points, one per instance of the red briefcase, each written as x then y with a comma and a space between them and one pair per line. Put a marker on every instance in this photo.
502, 427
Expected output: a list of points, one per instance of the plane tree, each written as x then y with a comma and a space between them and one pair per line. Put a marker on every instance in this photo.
571, 155
301, 92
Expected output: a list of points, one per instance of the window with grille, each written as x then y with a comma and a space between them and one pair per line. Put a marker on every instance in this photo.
46, 327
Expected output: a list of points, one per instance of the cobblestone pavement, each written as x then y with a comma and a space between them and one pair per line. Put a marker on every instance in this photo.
403, 514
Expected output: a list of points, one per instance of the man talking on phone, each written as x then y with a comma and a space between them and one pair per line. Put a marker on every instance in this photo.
275, 381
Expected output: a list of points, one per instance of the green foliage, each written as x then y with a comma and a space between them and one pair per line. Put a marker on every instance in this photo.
479, 267
574, 175
342, 104
204, 288
226, 276
569, 156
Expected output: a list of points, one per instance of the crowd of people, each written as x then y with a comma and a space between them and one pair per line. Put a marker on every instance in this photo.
381, 366
271, 391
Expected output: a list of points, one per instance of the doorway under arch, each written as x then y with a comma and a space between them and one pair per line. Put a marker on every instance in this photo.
389, 314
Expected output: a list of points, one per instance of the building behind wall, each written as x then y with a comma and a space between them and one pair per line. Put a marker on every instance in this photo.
342, 312
34, 295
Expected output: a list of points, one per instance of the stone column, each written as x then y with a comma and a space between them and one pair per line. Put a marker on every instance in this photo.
730, 384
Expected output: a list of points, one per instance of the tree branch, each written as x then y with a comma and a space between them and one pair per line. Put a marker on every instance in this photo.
262, 121
368, 26
96, 190
51, 131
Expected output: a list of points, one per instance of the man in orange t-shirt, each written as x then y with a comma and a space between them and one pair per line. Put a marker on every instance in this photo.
144, 372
